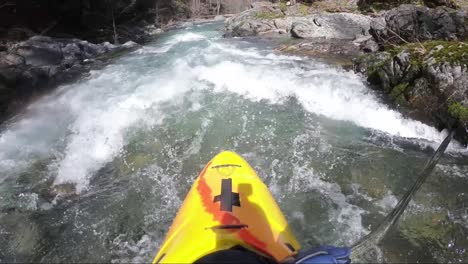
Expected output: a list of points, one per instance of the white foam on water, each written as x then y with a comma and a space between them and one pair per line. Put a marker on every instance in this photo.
84, 125
129, 251
170, 43
99, 131
388, 202
196, 143
454, 170
252, 53
356, 191
330, 92
186, 37
28, 201
98, 113
346, 217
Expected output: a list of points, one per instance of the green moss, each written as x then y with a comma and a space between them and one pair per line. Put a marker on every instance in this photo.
282, 6
372, 63
441, 51
453, 52
398, 93
378, 5
303, 9
268, 15
458, 111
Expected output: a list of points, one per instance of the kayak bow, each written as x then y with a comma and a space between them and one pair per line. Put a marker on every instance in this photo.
228, 205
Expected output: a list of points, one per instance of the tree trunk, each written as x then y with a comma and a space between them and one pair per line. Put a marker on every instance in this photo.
116, 37
218, 6
50, 27
156, 8
194, 7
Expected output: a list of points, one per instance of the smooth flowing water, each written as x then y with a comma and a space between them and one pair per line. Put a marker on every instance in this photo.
95, 171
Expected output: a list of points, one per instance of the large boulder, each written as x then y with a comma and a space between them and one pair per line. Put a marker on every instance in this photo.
411, 23
331, 26
30, 67
42, 50
255, 21
427, 81
273, 20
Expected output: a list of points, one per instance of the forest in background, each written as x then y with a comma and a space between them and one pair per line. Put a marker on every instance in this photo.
102, 20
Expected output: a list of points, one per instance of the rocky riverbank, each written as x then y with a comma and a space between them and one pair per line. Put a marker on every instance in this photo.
46, 43
30, 67
415, 55
318, 32
422, 65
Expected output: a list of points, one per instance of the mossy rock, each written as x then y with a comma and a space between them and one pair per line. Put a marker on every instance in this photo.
458, 111
349, 6
413, 75
303, 9
268, 15
282, 6
453, 52
372, 65
399, 90
378, 5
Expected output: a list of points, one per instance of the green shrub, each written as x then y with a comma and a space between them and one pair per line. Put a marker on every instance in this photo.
282, 6
303, 9
458, 111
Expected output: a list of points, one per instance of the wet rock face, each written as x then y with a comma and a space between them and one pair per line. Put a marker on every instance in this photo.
428, 81
410, 23
31, 66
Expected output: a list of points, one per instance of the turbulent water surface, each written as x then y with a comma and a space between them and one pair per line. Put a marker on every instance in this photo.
95, 171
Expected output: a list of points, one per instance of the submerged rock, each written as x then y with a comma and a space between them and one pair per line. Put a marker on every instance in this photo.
21, 237
433, 229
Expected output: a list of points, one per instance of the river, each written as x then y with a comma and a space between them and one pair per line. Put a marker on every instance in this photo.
96, 170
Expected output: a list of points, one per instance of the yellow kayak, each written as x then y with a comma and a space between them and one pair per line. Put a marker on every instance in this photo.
228, 206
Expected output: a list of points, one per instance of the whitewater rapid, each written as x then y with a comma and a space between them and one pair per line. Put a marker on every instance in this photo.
86, 122
81, 128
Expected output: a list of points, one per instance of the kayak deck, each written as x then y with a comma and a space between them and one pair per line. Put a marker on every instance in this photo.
228, 205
